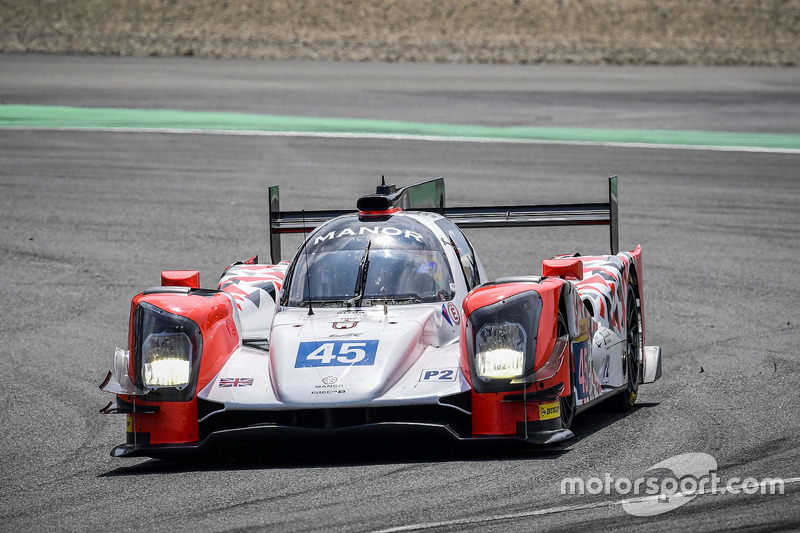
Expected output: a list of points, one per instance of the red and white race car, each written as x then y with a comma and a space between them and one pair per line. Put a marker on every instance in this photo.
385, 320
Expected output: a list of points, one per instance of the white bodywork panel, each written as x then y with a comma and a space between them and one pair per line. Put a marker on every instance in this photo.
607, 351
340, 358
254, 289
652, 364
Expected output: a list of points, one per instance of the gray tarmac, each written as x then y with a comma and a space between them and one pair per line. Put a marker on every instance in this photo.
89, 219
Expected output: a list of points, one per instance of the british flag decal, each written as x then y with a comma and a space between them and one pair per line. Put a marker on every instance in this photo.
236, 382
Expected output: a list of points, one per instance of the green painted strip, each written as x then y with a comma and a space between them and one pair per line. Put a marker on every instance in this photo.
59, 117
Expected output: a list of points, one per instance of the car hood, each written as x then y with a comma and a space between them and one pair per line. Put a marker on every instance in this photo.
346, 357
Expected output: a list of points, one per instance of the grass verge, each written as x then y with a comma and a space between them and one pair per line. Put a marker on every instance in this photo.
671, 32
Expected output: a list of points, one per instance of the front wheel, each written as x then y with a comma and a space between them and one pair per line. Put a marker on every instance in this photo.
566, 403
567, 407
631, 359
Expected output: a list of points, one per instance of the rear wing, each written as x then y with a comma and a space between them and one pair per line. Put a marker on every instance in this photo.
429, 196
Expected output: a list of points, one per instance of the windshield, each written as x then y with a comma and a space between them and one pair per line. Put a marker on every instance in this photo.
353, 262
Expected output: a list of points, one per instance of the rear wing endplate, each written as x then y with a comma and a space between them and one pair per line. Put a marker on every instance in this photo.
429, 196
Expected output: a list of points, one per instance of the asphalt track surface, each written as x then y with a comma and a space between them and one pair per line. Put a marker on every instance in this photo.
89, 218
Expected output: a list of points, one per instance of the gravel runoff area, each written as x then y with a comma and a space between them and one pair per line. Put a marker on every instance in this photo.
667, 32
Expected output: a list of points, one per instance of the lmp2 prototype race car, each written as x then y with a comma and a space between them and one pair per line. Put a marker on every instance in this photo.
385, 320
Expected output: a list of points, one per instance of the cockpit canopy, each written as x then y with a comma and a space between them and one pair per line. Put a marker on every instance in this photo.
351, 261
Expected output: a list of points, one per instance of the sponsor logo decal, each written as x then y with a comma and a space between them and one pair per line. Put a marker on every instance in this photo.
438, 374
345, 324
583, 330
336, 353
450, 313
549, 410
365, 230
330, 385
236, 382
344, 335
453, 311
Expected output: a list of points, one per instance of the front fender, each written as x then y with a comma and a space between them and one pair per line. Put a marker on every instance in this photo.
509, 406
169, 414
215, 314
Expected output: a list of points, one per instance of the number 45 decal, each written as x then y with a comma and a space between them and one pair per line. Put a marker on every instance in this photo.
336, 353
583, 379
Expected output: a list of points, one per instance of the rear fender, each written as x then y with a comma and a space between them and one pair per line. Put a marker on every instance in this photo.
637, 273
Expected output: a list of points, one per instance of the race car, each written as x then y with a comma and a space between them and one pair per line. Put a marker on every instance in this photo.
384, 320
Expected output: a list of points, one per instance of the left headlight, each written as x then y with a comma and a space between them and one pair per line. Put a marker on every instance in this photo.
501, 341
500, 351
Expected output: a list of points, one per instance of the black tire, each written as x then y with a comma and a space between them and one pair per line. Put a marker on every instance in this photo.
632, 357
567, 409
567, 403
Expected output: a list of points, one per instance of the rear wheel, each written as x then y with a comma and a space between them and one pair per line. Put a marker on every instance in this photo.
631, 359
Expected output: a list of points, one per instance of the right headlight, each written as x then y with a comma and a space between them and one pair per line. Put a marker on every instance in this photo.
167, 350
167, 360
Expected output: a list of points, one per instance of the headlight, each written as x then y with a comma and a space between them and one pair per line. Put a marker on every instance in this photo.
500, 351
501, 341
167, 360
167, 350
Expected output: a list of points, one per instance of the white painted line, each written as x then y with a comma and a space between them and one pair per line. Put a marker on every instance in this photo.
410, 137
542, 512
